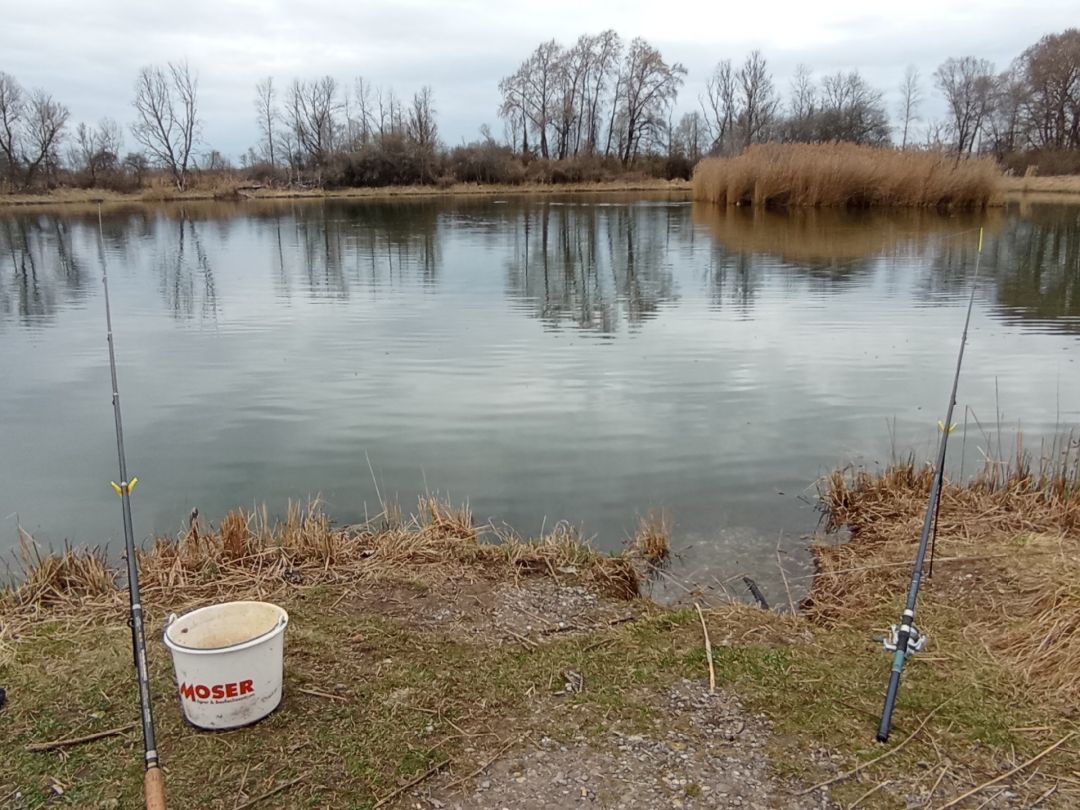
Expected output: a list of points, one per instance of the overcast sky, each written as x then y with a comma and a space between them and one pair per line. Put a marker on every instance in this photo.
87, 53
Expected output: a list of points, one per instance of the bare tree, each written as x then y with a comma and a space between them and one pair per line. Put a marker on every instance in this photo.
313, 107
910, 99
1006, 125
571, 75
12, 110
968, 86
390, 120
97, 149
719, 107
365, 118
649, 88
44, 126
851, 110
266, 113
1051, 72
421, 124
802, 107
540, 85
690, 138
167, 123
606, 50
512, 109
757, 99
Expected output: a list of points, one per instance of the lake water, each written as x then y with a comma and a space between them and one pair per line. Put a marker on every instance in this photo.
583, 358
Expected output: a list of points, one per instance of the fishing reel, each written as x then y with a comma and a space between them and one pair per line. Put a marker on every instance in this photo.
915, 643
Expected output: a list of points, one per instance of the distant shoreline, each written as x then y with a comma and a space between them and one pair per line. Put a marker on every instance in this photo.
1058, 188
1058, 185
69, 196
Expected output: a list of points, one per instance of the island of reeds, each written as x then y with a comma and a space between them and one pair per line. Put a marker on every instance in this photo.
846, 175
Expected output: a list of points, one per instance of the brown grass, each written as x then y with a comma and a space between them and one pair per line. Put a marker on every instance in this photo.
249, 555
1007, 571
234, 190
846, 175
652, 540
1062, 184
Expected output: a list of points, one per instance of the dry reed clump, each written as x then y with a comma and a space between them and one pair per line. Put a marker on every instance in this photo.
652, 540
846, 175
250, 555
1007, 567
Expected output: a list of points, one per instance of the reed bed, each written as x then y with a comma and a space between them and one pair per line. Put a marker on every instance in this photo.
846, 175
1007, 569
251, 555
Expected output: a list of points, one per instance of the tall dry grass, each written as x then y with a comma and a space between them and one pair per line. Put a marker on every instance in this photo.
846, 175
251, 555
1007, 570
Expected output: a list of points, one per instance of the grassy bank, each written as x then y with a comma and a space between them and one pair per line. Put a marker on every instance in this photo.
846, 175
1019, 186
417, 651
236, 191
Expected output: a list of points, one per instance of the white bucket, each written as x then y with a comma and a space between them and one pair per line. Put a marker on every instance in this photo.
228, 660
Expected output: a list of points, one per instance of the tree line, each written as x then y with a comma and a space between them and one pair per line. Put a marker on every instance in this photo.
584, 111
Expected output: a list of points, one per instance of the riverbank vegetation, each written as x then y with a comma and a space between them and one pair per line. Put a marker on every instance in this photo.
419, 655
598, 110
846, 175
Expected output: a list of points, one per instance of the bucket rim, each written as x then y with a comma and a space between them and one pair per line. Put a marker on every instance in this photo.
176, 646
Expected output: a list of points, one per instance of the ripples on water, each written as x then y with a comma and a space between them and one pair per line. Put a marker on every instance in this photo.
583, 358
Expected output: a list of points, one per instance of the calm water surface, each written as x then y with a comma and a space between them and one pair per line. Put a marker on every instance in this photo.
586, 358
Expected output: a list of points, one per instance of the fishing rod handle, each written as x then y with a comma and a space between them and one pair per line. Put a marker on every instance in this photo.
154, 788
885, 726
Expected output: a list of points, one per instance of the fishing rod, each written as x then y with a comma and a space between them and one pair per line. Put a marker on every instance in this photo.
906, 639
153, 782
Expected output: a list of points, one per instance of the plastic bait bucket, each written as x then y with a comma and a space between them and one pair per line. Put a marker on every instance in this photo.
228, 661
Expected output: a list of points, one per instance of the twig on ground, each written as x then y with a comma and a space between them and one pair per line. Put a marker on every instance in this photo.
869, 793
528, 642
937, 783
430, 772
1007, 774
487, 764
708, 650
272, 792
50, 746
326, 695
869, 762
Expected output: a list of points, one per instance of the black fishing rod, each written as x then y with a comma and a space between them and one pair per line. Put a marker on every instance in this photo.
153, 783
906, 639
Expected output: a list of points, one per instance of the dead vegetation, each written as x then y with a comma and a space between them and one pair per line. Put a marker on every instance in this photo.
227, 190
251, 555
1007, 560
381, 677
846, 175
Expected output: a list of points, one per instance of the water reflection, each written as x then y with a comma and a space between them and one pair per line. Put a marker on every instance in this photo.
590, 266
546, 357
46, 272
594, 266
187, 281
1037, 266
